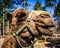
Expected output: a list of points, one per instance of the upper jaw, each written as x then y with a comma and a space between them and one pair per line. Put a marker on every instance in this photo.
48, 29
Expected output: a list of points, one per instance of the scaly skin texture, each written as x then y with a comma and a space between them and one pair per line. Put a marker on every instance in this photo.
40, 21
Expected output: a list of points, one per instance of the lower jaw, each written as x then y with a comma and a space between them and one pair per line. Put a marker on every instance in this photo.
25, 44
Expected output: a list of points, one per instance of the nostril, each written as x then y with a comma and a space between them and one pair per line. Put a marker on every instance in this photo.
21, 14
51, 23
51, 30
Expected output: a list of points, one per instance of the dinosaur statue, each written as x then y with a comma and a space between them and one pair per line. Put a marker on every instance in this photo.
26, 26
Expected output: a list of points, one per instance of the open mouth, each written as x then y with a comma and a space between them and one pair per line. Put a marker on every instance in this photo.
46, 30
50, 28
25, 41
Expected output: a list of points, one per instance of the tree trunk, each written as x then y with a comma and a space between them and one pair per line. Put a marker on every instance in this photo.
3, 21
58, 18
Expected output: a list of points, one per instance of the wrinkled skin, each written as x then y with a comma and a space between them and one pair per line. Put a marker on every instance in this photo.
41, 22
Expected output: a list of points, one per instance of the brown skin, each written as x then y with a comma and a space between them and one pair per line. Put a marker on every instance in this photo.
43, 22
9, 42
40, 23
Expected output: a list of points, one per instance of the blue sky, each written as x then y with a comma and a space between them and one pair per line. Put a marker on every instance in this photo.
32, 3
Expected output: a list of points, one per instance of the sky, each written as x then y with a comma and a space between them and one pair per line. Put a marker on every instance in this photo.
32, 3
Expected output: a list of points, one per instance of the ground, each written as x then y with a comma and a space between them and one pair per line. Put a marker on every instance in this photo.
1, 41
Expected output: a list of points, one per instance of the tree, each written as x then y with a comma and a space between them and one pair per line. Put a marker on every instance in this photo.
24, 3
50, 4
57, 12
38, 6
5, 4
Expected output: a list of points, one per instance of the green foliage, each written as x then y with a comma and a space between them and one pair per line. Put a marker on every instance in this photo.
57, 12
38, 6
5, 5
50, 3
57, 8
25, 4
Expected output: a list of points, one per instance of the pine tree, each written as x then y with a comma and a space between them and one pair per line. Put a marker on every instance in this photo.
38, 6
